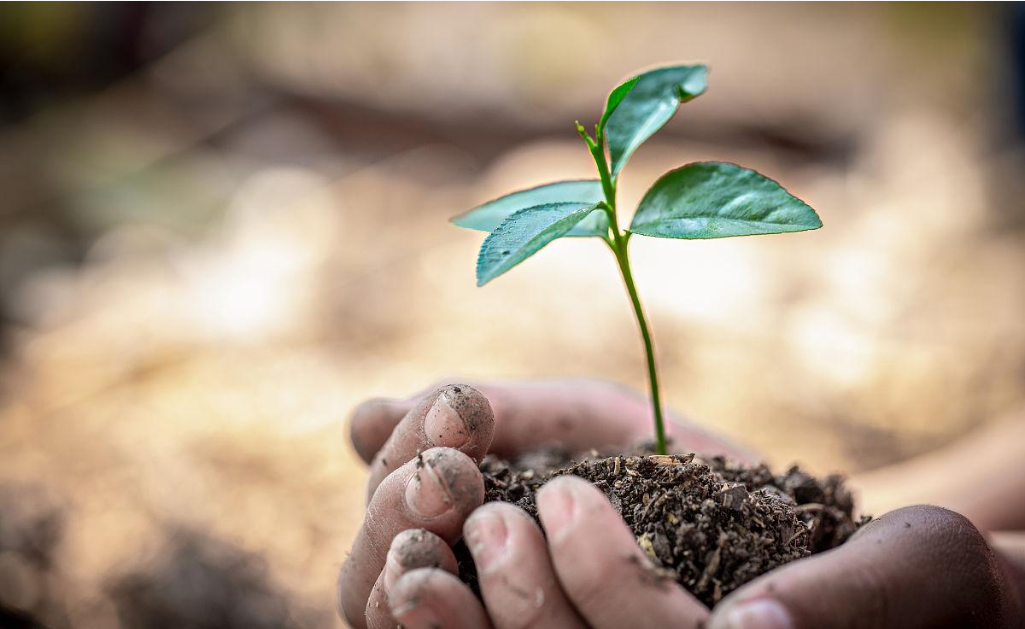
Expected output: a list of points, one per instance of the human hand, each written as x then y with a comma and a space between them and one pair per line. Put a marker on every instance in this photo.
915, 567
454, 426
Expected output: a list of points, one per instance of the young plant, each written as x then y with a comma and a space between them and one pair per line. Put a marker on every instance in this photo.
699, 200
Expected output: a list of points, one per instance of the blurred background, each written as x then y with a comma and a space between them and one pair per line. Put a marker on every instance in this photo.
221, 227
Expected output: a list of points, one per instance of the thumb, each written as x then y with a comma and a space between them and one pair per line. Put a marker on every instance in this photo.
913, 568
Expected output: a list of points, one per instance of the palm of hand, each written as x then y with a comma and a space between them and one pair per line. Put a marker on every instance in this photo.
425, 492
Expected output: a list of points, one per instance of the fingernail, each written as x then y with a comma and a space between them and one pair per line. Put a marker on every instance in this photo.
443, 425
761, 613
486, 535
557, 507
412, 615
427, 493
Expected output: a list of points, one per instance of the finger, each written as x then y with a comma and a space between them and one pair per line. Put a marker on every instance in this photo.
411, 549
578, 414
600, 566
428, 598
516, 577
912, 568
373, 421
455, 416
435, 491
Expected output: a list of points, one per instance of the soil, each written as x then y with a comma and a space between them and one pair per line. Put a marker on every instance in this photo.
709, 524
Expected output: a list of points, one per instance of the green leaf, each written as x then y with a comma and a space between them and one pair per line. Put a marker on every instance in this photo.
653, 100
490, 215
524, 233
717, 200
615, 98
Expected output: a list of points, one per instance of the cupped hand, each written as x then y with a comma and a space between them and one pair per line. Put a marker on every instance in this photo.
423, 454
913, 568
918, 567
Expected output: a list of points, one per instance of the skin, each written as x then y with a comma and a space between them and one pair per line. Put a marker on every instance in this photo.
415, 484
913, 567
410, 550
916, 567
516, 574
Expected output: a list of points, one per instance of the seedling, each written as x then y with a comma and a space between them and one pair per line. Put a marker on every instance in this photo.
699, 200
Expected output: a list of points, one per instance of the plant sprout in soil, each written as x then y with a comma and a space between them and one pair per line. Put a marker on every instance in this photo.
695, 201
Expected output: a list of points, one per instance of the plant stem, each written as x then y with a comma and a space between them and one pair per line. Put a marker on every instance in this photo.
619, 245
623, 257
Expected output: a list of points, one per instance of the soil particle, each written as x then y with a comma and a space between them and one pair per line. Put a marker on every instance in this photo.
414, 553
709, 524
471, 406
454, 479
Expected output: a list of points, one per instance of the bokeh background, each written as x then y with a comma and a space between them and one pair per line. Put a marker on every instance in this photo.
223, 226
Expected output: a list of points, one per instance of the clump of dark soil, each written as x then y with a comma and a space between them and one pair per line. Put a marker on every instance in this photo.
710, 524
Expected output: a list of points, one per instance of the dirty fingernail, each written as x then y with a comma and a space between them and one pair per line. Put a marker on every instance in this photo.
762, 613
412, 615
427, 493
443, 425
557, 508
486, 535
412, 549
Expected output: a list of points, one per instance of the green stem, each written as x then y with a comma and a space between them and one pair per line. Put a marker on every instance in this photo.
619, 245
623, 257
